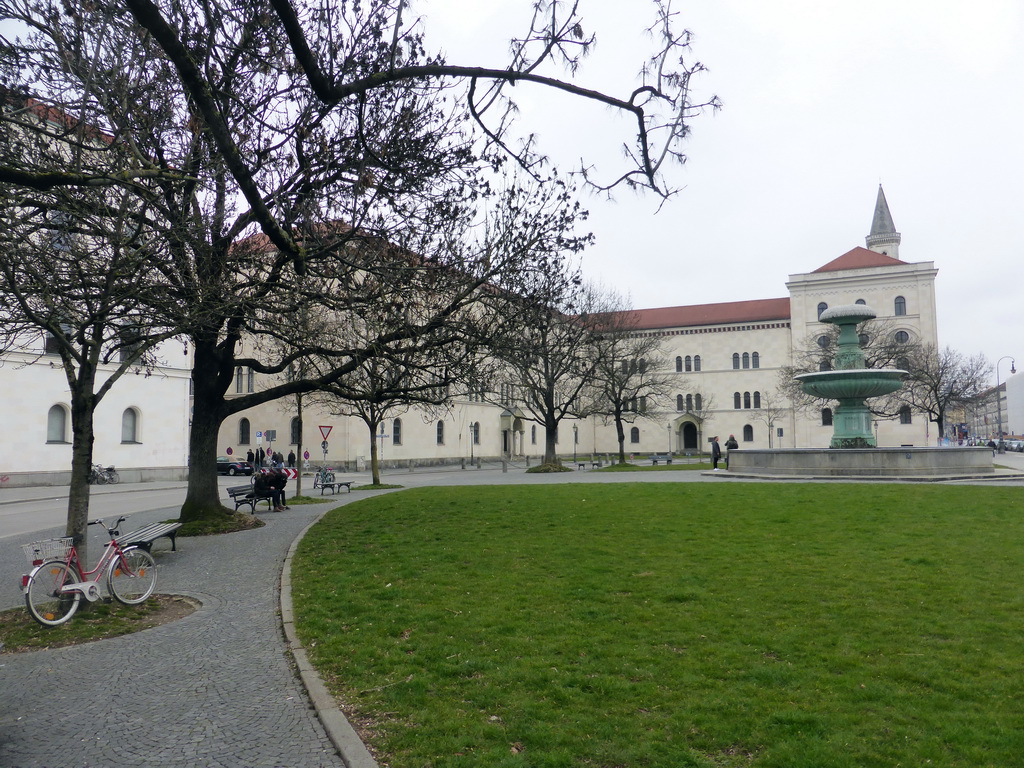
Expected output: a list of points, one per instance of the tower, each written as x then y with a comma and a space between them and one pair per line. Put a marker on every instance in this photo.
883, 238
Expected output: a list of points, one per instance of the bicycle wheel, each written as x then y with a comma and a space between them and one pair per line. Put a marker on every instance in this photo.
43, 597
132, 579
328, 477
113, 477
316, 480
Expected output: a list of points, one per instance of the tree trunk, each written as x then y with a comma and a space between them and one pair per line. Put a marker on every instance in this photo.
374, 458
202, 500
550, 447
82, 414
620, 435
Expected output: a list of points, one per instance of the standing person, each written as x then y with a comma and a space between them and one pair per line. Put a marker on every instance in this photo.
716, 453
260, 455
250, 456
730, 445
291, 459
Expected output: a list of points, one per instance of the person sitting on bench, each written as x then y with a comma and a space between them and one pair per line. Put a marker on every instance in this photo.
279, 480
264, 486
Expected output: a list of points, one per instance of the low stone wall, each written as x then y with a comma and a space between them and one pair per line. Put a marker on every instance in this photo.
864, 462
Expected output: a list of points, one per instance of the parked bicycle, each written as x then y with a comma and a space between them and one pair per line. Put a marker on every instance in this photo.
57, 582
323, 476
100, 475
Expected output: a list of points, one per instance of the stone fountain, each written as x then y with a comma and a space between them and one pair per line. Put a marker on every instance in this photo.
849, 381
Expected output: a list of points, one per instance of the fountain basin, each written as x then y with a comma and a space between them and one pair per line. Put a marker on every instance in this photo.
859, 383
907, 463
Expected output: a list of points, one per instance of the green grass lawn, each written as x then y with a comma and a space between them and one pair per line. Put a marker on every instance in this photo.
674, 625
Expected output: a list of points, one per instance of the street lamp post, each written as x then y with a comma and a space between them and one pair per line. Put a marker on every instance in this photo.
999, 398
575, 439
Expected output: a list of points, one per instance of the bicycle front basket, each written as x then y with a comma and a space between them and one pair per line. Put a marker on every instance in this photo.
49, 549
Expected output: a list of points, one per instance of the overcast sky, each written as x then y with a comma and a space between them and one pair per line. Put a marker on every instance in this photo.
822, 101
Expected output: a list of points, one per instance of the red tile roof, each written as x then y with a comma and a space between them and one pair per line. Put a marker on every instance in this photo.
713, 314
859, 258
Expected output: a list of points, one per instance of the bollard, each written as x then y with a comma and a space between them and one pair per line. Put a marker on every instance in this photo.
504, 466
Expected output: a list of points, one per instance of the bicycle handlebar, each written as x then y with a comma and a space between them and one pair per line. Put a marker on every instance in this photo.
112, 531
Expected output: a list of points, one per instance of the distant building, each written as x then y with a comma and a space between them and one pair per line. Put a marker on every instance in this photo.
726, 358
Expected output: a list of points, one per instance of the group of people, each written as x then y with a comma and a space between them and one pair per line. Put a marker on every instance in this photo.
272, 483
716, 450
274, 459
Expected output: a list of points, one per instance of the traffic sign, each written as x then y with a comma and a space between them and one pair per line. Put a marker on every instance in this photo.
324, 446
325, 432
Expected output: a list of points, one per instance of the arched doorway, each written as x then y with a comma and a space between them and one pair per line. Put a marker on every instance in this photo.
689, 436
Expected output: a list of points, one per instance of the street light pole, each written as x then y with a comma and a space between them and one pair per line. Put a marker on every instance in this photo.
999, 397
575, 439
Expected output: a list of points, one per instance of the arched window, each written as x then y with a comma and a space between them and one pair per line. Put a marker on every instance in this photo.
902, 337
243, 431
476, 433
860, 301
679, 402
826, 417
696, 362
440, 433
679, 364
533, 435
748, 433
634, 435
903, 363
899, 306
689, 402
821, 308
643, 366
697, 403
130, 426
689, 363
57, 425
757, 399
746, 399
735, 361
864, 339
746, 360
755, 360
825, 365
736, 400
296, 434
905, 415
396, 432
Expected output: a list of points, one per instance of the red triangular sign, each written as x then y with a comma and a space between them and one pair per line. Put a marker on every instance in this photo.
325, 431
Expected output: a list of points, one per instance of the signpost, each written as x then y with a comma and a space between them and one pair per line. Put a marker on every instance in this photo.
325, 431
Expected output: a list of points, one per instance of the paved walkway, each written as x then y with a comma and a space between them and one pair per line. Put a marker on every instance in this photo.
216, 689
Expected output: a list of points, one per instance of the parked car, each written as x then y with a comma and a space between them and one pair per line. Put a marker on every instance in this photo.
228, 466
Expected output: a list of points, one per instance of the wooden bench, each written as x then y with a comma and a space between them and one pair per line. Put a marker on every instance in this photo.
246, 494
336, 485
656, 457
593, 464
145, 536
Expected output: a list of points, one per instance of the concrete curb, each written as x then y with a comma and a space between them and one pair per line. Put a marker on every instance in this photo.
339, 730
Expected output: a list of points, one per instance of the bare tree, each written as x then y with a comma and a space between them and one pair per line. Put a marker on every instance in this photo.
628, 379
75, 282
941, 381
547, 356
773, 408
285, 118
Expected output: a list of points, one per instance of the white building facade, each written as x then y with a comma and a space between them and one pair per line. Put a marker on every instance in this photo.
724, 359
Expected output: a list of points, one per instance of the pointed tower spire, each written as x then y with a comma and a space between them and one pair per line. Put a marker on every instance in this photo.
883, 238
